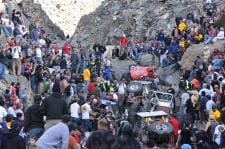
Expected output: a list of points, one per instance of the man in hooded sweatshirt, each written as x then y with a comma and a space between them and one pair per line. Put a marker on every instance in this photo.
34, 123
12, 139
54, 107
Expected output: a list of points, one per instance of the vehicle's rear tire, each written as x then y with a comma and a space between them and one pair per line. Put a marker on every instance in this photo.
166, 128
134, 87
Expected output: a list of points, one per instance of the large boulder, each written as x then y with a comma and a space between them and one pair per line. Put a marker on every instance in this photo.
149, 59
169, 75
193, 51
120, 67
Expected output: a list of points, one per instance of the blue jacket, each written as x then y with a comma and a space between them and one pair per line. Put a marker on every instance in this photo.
107, 73
16, 32
217, 64
173, 48
34, 35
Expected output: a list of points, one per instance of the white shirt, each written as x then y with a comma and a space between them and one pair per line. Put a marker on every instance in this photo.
11, 111
220, 35
121, 88
85, 109
3, 112
207, 91
29, 52
218, 134
11, 25
38, 52
74, 110
223, 82
209, 105
208, 1
184, 98
42, 42
115, 97
16, 52
107, 62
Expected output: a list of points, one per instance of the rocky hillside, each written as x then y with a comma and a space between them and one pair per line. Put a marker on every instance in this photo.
135, 18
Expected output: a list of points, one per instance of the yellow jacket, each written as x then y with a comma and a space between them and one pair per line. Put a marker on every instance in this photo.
182, 26
87, 74
183, 44
199, 37
216, 114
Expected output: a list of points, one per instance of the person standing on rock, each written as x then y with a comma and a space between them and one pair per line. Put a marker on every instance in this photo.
87, 77
66, 49
121, 86
54, 107
123, 43
16, 55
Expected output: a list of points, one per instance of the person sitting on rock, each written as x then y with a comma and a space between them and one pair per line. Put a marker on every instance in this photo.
220, 35
217, 63
210, 34
182, 26
198, 37
216, 52
183, 44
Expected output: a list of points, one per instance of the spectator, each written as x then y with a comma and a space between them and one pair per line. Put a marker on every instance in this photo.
85, 110
57, 136
11, 110
127, 139
16, 55
73, 144
12, 139
87, 77
75, 111
102, 138
210, 35
54, 107
3, 112
220, 35
215, 112
34, 124
217, 134
185, 135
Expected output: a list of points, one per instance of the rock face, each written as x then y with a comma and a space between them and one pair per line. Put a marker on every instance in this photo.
197, 50
135, 18
120, 67
32, 10
25, 85
149, 59
169, 75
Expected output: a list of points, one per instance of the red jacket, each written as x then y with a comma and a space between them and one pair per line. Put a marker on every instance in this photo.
123, 41
90, 87
176, 125
55, 49
66, 48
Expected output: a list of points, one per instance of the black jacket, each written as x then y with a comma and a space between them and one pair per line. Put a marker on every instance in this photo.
12, 140
100, 139
33, 118
54, 107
